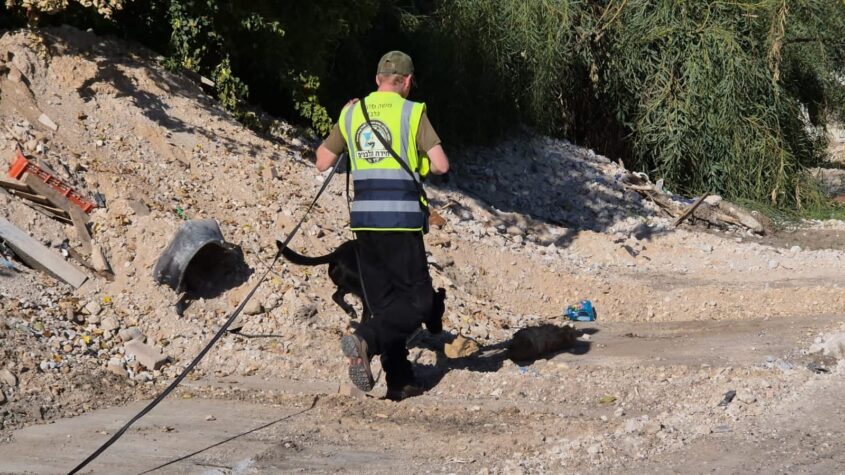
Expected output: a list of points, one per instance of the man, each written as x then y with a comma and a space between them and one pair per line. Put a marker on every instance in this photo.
388, 219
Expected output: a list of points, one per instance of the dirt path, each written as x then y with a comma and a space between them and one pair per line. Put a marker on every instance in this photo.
257, 425
803, 435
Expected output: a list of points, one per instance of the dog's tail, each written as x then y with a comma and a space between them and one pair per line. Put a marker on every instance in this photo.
301, 260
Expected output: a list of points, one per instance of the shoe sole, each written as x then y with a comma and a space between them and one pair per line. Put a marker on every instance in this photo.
359, 373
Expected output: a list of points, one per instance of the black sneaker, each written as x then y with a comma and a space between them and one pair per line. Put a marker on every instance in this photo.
409, 390
355, 348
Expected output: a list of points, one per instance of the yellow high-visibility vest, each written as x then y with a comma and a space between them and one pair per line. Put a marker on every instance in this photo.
386, 198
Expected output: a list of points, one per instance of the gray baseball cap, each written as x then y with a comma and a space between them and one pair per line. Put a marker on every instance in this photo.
395, 62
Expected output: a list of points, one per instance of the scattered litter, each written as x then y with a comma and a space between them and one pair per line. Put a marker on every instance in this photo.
7, 265
607, 399
817, 368
727, 398
21, 165
582, 311
197, 246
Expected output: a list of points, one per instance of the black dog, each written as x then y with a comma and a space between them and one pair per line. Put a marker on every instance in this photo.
343, 271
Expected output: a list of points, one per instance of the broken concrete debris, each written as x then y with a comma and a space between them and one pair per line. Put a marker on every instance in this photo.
253, 307
712, 210
109, 324
132, 333
116, 366
98, 259
8, 378
149, 357
39, 257
495, 255
48, 122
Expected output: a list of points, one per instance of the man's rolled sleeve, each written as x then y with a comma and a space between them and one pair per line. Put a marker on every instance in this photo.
427, 138
334, 142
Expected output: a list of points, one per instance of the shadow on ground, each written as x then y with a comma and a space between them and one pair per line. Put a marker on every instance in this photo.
489, 359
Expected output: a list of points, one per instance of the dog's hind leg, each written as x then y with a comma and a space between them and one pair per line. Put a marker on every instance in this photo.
338, 299
366, 314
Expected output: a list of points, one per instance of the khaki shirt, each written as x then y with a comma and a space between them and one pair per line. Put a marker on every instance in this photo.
426, 137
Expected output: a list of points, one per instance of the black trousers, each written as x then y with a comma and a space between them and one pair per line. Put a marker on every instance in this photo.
395, 275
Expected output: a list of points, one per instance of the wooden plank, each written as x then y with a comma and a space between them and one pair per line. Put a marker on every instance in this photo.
56, 212
39, 257
11, 185
43, 211
690, 210
79, 218
42, 200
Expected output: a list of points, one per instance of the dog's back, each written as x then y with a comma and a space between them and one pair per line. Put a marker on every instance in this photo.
343, 266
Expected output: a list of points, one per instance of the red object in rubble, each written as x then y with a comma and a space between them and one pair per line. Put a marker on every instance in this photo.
22, 165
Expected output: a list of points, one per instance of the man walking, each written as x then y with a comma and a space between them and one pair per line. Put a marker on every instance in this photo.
388, 217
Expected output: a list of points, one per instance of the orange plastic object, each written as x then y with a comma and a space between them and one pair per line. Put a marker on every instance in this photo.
22, 165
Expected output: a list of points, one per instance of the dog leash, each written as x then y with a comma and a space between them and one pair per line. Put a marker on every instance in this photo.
281, 246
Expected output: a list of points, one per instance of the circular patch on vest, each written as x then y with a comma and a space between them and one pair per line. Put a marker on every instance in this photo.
369, 146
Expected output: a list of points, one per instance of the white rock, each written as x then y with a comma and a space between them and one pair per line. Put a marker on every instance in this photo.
98, 259
8, 378
109, 324
834, 345
93, 308
133, 333
253, 307
713, 200
745, 396
48, 122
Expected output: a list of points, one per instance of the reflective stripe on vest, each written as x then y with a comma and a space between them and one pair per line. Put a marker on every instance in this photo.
386, 198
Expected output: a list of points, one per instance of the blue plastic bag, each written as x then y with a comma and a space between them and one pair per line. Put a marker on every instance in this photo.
583, 311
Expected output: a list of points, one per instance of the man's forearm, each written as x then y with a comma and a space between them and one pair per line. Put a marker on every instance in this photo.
439, 160
325, 158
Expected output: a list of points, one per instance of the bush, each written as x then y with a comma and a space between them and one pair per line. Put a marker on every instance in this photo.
725, 97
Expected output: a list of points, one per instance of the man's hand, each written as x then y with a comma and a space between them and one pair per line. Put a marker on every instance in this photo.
439, 160
325, 158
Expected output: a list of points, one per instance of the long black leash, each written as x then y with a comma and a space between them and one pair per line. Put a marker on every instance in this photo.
281, 246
